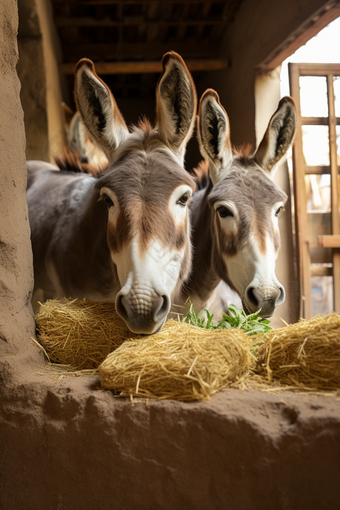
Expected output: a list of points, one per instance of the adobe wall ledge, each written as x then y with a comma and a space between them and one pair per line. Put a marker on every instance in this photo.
69, 445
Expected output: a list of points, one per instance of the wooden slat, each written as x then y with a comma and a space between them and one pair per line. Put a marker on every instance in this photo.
303, 254
319, 69
135, 21
138, 50
317, 170
334, 191
146, 67
321, 271
314, 121
329, 241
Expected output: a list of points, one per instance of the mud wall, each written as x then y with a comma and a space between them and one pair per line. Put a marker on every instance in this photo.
16, 276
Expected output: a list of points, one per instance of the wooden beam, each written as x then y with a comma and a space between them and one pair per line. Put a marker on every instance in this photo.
132, 2
318, 69
334, 192
101, 51
147, 67
302, 243
320, 270
135, 21
299, 37
329, 241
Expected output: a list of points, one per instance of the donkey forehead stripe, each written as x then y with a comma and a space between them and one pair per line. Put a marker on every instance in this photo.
144, 186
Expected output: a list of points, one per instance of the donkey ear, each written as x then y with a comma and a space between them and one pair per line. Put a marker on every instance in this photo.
98, 109
279, 135
176, 103
214, 134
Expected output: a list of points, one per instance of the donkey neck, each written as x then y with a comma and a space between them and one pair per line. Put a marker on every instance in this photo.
203, 279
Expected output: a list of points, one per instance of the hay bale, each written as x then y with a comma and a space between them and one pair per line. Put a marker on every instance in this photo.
181, 362
305, 355
79, 333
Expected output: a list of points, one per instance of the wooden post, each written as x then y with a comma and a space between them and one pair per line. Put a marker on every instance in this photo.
334, 191
300, 202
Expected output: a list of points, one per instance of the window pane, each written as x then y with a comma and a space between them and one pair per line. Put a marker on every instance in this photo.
337, 95
318, 190
315, 145
313, 96
322, 294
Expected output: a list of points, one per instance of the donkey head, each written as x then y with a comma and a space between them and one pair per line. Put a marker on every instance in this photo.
146, 190
246, 203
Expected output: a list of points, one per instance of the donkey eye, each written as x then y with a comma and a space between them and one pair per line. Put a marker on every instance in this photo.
107, 200
184, 199
224, 211
279, 210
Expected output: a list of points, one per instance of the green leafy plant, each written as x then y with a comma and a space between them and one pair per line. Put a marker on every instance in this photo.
252, 324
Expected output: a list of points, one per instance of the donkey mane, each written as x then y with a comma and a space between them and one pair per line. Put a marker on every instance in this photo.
70, 161
242, 156
143, 138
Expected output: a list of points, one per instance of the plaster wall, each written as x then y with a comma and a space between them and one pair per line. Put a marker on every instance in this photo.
267, 97
256, 31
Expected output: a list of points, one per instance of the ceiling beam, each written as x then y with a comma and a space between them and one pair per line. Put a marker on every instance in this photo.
101, 51
132, 2
134, 21
147, 66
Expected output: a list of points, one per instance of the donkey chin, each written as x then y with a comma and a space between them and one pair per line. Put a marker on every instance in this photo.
265, 297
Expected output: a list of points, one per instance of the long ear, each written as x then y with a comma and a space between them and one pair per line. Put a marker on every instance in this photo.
214, 134
279, 135
98, 109
176, 103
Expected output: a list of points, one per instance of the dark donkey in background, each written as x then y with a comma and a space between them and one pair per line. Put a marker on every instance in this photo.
123, 236
236, 235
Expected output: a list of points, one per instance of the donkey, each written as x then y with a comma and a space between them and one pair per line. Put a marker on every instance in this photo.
79, 143
125, 235
236, 235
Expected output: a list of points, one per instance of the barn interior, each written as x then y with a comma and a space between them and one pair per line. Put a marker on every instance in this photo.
65, 443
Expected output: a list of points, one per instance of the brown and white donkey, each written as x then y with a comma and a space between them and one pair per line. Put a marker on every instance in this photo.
125, 235
234, 219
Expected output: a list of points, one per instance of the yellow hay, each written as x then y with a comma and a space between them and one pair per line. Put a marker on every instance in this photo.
181, 362
185, 362
304, 355
79, 333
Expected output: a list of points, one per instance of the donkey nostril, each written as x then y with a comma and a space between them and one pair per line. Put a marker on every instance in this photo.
161, 308
251, 296
281, 296
121, 307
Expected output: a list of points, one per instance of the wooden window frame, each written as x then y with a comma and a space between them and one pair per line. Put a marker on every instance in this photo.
300, 170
